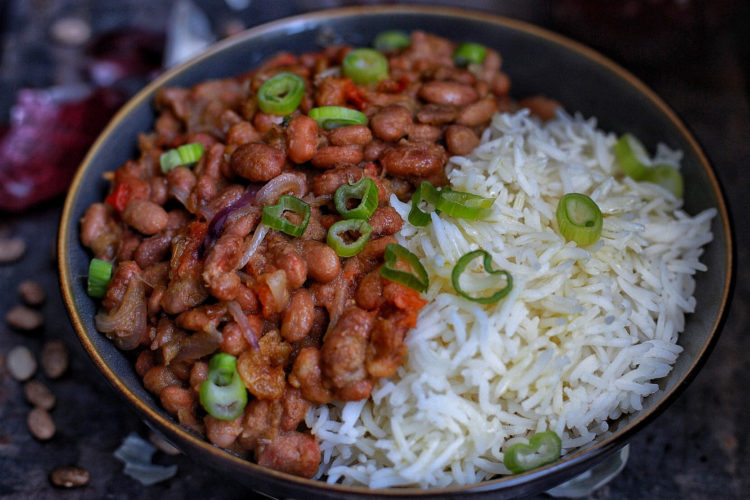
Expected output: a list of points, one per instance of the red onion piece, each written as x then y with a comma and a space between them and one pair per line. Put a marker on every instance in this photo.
236, 311
286, 183
218, 220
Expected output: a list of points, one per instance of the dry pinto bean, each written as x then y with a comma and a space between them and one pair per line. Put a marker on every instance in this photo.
457, 94
332, 156
460, 140
31, 292
24, 319
69, 477
21, 363
54, 358
12, 249
145, 216
257, 162
301, 138
38, 394
40, 424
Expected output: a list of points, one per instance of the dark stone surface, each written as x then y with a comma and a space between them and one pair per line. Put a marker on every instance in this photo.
698, 448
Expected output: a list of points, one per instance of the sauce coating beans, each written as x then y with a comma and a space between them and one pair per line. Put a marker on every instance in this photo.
198, 268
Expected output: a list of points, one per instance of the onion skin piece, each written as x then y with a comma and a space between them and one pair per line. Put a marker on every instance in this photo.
126, 323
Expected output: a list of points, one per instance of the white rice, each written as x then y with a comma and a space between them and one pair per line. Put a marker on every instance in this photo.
580, 340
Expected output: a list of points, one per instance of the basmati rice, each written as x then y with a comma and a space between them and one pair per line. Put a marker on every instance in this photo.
580, 339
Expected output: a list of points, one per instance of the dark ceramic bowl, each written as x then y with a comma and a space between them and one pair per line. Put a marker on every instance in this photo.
538, 62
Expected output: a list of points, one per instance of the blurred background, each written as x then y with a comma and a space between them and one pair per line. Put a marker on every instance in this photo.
67, 65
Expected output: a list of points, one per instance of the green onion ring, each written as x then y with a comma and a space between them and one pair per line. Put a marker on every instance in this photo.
632, 157
387, 41
425, 192
463, 205
464, 261
579, 219
330, 117
365, 66
365, 190
667, 177
100, 274
543, 448
335, 237
273, 215
187, 154
416, 279
222, 394
281, 94
469, 53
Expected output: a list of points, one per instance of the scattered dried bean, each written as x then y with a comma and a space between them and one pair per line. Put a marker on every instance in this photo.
69, 477
54, 358
21, 363
39, 394
40, 424
23, 318
11, 249
31, 292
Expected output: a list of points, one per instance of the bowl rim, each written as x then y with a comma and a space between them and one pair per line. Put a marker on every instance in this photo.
575, 459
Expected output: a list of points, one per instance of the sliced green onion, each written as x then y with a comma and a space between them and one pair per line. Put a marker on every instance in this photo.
365, 191
222, 394
187, 154
273, 215
469, 53
337, 232
330, 117
281, 94
667, 177
632, 157
543, 448
464, 261
463, 205
579, 219
365, 66
395, 256
425, 193
391, 40
100, 272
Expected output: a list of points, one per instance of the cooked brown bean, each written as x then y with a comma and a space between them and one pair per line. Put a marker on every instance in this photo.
369, 294
93, 223
159, 191
293, 265
375, 149
153, 250
332, 156
291, 452
54, 358
541, 106
417, 160
21, 363
223, 433
477, 113
263, 122
460, 140
297, 319
69, 477
500, 84
350, 135
24, 319
242, 133
40, 424
175, 399
301, 138
385, 220
257, 162
159, 377
457, 94
145, 216
144, 362
181, 182
31, 292
323, 264
391, 123
422, 132
198, 374
437, 114
38, 394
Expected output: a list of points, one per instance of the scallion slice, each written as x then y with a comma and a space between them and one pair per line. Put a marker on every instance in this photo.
222, 394
365, 191
667, 177
330, 117
396, 258
427, 194
273, 215
543, 448
463, 205
391, 40
365, 66
632, 157
338, 239
281, 94
579, 219
469, 53
460, 267
187, 154
100, 273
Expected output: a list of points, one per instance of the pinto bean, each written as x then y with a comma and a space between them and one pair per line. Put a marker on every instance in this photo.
223, 433
323, 264
350, 135
181, 182
175, 399
541, 106
31, 292
257, 162
391, 123
293, 265
369, 293
500, 84
437, 114
93, 223
153, 250
40, 424
263, 122
414, 159
329, 181
159, 377
422, 132
385, 220
69, 477
332, 156
307, 375
144, 362
159, 190
301, 138
444, 92
297, 319
145, 216
460, 140
261, 379
295, 407
477, 113
375, 149
38, 394
292, 452
242, 133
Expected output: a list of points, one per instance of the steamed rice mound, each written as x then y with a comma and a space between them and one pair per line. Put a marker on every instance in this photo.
581, 339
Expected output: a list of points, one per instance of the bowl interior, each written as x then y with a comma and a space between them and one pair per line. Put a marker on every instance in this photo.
537, 62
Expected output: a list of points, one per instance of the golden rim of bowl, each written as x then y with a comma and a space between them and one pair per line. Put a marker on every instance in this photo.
171, 428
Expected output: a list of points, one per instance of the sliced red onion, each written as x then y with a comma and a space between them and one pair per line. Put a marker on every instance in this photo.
236, 311
218, 220
294, 183
260, 232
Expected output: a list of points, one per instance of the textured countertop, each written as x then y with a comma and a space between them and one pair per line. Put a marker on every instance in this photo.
698, 448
